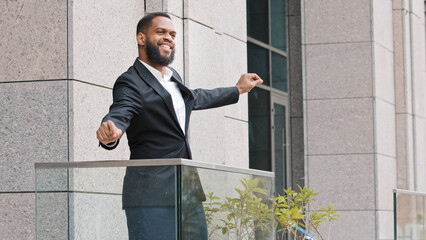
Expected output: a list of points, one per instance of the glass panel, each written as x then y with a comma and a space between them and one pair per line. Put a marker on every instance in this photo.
86, 203
229, 213
280, 147
410, 217
278, 24
258, 61
257, 20
279, 72
259, 129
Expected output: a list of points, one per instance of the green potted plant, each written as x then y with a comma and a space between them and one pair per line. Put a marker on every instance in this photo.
293, 216
243, 215
247, 214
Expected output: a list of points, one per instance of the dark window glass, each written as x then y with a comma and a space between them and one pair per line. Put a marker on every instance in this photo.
259, 129
257, 20
278, 24
258, 61
279, 72
280, 147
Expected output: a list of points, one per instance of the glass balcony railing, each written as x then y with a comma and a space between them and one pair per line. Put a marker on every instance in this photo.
410, 215
84, 200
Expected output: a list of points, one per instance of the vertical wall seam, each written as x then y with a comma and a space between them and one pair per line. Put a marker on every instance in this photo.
405, 75
68, 113
406, 100
183, 43
288, 148
413, 95
374, 103
184, 65
304, 94
67, 82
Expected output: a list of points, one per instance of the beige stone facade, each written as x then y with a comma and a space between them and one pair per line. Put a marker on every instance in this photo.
356, 95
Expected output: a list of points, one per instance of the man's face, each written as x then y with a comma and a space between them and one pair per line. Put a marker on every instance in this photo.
160, 44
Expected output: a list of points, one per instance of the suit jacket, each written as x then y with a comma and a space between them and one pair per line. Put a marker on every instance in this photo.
143, 109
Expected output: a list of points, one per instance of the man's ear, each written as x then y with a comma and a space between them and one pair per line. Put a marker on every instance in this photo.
141, 39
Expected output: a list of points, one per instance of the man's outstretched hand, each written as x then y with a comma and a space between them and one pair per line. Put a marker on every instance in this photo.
108, 132
248, 81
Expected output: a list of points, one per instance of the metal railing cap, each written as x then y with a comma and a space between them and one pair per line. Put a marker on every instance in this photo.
403, 191
150, 162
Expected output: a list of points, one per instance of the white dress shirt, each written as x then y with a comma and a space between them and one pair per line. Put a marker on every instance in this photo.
173, 89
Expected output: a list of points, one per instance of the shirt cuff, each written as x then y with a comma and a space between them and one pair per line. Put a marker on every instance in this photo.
111, 144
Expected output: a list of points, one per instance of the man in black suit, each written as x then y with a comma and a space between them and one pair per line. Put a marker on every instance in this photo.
152, 105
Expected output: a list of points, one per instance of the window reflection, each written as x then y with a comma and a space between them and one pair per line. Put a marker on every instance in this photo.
257, 20
279, 72
278, 25
258, 61
280, 147
259, 129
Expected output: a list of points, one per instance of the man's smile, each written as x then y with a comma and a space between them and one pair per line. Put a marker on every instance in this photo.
165, 45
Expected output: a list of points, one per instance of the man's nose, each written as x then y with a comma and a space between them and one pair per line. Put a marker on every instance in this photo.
168, 37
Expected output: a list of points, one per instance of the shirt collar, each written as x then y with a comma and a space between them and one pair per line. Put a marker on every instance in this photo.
157, 74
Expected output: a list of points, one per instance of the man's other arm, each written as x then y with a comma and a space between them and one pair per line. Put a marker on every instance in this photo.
127, 103
218, 97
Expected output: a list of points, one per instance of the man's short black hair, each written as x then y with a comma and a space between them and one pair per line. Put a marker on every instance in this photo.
145, 22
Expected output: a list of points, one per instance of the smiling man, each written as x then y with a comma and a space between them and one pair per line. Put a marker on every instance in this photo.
151, 104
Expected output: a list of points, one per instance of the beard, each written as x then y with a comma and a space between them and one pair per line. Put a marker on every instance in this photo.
154, 55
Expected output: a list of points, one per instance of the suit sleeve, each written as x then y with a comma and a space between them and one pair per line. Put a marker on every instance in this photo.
205, 99
127, 102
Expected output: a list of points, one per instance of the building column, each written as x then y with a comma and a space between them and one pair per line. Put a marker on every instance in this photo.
409, 41
33, 105
349, 99
58, 64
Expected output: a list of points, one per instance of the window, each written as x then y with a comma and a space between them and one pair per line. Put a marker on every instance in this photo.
268, 103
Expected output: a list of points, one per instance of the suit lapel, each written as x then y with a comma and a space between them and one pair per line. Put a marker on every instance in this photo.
186, 93
187, 97
147, 77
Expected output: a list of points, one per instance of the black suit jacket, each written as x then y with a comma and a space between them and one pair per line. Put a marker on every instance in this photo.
143, 109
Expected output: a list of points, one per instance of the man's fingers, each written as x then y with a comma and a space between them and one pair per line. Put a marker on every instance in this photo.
102, 137
106, 135
257, 82
117, 134
103, 131
108, 132
114, 132
248, 81
111, 129
254, 76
